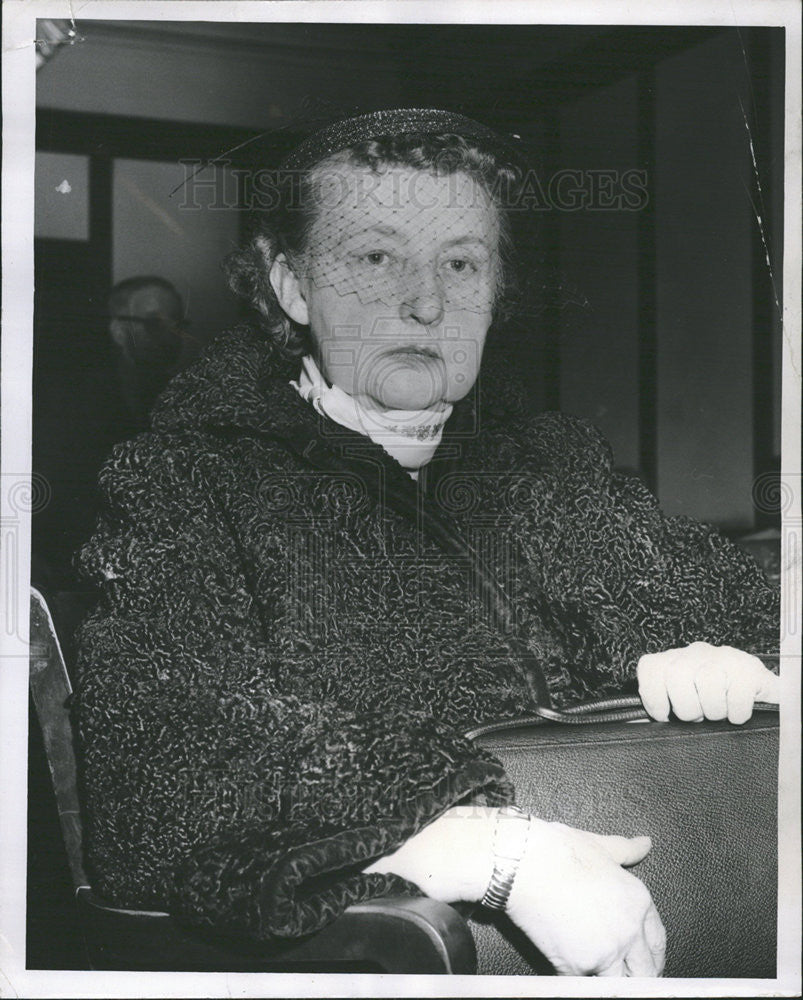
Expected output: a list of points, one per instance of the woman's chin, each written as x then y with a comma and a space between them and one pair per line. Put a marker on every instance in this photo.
410, 391
408, 401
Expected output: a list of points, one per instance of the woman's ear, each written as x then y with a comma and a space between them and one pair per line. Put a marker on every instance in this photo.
287, 288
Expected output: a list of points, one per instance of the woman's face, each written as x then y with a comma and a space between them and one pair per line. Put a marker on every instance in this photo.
399, 283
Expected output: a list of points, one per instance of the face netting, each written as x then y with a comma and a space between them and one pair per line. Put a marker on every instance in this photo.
408, 226
414, 245
401, 232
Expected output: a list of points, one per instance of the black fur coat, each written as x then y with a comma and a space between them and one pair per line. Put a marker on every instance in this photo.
273, 688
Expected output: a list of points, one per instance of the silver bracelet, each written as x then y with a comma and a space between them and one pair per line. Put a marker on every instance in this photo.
510, 841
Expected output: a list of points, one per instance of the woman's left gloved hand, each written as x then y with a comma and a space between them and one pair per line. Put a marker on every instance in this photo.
702, 681
571, 896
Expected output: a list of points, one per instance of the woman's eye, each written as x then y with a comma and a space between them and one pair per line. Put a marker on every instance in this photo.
461, 265
376, 258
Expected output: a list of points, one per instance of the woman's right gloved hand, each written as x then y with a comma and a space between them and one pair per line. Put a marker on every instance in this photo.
584, 912
572, 896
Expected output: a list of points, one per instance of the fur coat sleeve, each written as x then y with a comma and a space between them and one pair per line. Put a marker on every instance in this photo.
211, 789
610, 575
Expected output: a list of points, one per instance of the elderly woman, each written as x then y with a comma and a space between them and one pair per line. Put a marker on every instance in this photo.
338, 550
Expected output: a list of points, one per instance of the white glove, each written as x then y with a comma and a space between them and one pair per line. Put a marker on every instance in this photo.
571, 896
581, 909
701, 681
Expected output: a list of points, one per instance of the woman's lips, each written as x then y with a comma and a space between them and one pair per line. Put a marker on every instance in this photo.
413, 351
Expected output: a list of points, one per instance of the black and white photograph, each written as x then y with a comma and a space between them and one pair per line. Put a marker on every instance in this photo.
401, 499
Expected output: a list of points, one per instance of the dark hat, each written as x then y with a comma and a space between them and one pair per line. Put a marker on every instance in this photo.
345, 132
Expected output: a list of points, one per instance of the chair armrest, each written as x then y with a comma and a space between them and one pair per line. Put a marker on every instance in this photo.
403, 935
394, 935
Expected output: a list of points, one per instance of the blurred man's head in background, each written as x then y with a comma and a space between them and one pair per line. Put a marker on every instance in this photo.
147, 329
146, 320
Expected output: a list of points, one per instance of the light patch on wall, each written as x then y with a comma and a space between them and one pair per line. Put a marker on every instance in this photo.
61, 209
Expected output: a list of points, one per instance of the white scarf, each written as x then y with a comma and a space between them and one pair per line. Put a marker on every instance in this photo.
409, 436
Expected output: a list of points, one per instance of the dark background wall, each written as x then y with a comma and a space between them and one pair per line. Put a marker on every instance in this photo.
658, 319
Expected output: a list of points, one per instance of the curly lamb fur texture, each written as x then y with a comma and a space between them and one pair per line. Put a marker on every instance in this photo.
272, 688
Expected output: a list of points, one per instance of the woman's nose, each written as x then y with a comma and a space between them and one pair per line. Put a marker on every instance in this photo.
422, 300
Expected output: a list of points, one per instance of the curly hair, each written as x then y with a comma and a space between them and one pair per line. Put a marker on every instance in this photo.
287, 226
